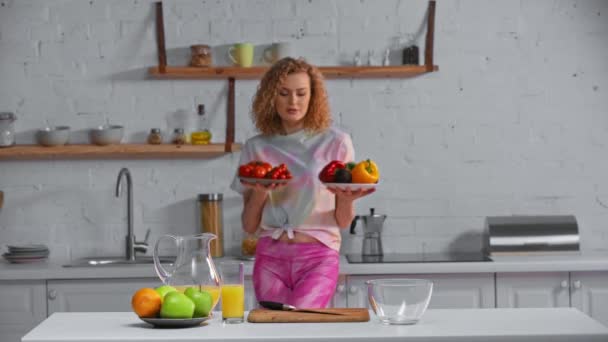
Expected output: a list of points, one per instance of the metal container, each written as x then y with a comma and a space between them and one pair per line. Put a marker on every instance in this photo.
532, 235
372, 228
212, 220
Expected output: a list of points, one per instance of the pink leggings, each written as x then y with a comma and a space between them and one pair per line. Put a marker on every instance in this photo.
300, 274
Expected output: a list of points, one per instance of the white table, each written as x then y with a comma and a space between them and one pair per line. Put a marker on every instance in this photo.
454, 325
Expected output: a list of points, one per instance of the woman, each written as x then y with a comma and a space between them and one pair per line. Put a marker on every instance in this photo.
297, 255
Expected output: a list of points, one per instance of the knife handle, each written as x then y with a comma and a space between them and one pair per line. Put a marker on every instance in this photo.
272, 305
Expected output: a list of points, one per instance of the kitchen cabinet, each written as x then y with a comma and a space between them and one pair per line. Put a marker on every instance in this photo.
339, 298
586, 291
589, 293
94, 295
22, 307
533, 290
450, 291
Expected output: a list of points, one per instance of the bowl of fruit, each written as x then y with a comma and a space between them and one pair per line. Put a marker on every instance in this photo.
166, 307
354, 176
259, 172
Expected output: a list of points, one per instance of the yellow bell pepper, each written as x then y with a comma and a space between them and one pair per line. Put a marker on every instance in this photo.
365, 172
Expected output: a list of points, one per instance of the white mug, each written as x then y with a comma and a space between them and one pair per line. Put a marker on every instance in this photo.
277, 51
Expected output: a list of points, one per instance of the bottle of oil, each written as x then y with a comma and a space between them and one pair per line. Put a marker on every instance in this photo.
202, 135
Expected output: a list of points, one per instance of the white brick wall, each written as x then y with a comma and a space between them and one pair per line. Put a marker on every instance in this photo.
515, 121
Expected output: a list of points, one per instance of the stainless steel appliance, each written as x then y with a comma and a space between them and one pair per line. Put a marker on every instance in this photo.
532, 235
416, 257
372, 230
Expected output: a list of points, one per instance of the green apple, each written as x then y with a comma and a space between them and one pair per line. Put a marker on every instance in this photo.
202, 301
176, 305
163, 290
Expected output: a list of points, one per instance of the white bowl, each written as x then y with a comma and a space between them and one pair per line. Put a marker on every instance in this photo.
107, 134
399, 301
53, 136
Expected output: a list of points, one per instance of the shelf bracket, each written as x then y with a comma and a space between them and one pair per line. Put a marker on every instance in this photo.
230, 116
160, 38
430, 35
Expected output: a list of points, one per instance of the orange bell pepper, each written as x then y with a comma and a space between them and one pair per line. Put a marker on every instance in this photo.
365, 172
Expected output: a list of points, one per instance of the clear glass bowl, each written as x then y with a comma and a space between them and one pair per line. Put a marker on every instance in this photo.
399, 301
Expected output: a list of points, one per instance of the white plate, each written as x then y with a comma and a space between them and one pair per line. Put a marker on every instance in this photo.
28, 254
352, 186
27, 248
23, 260
264, 181
175, 322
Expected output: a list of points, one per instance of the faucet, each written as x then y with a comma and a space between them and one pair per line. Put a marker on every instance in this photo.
132, 245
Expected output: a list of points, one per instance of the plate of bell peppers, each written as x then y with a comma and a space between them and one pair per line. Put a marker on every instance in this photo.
260, 172
354, 176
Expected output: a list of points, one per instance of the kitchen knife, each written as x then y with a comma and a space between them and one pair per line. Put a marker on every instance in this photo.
286, 307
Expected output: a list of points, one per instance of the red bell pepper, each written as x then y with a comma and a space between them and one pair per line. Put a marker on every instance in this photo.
327, 175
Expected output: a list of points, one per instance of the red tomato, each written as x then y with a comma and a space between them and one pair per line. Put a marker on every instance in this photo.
258, 163
245, 170
259, 171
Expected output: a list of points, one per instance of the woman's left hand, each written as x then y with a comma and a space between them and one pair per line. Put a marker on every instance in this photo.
349, 194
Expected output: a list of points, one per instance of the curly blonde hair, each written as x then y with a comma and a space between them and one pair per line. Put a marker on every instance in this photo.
263, 111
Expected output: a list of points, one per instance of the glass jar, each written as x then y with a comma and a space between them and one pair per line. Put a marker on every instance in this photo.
155, 137
212, 220
249, 244
179, 137
7, 129
411, 55
200, 55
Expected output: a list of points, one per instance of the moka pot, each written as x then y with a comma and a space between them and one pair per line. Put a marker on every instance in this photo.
372, 232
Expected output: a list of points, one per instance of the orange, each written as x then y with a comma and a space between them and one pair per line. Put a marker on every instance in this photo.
146, 302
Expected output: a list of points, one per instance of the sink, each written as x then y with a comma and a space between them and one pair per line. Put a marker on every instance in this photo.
116, 261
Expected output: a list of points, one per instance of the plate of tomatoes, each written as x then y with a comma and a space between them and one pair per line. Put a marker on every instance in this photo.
260, 172
354, 176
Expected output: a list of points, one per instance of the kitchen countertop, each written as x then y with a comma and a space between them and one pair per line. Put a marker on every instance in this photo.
454, 325
585, 262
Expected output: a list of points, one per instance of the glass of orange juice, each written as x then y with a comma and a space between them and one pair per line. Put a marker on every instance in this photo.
233, 292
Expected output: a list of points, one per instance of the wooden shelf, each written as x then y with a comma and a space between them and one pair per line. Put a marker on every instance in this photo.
330, 72
121, 151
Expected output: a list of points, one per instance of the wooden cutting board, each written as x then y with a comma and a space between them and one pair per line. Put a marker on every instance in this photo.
276, 316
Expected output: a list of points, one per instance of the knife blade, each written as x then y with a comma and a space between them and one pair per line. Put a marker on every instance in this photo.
286, 307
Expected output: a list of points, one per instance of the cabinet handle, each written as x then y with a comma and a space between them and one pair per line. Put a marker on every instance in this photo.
577, 284
52, 294
353, 290
564, 284
340, 288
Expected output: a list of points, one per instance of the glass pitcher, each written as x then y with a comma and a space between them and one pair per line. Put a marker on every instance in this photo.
193, 266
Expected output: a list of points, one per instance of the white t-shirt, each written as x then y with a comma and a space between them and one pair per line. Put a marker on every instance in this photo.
304, 205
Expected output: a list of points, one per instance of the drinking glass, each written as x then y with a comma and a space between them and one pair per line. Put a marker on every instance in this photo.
233, 292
